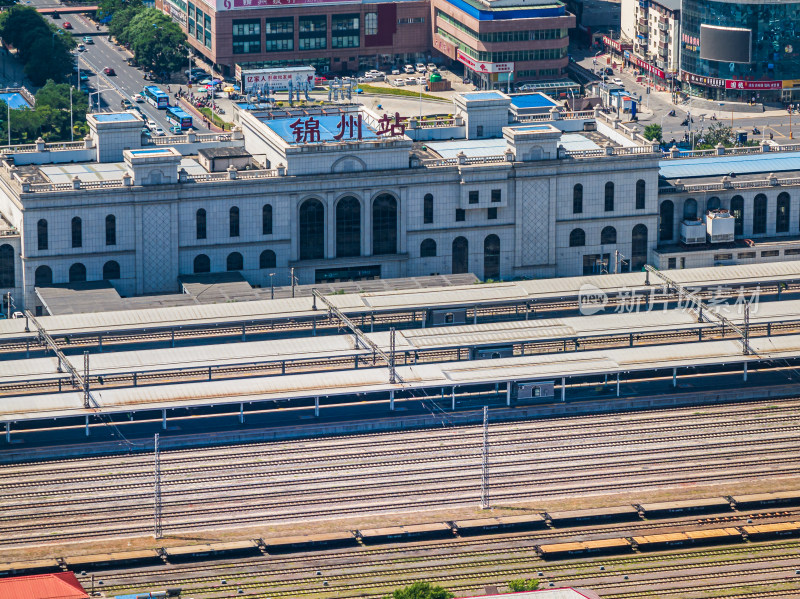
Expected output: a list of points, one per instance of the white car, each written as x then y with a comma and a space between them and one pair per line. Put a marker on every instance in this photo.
422, 81
399, 82
618, 81
151, 124
138, 98
366, 79
411, 81
421, 67
432, 67
408, 69
395, 71
159, 131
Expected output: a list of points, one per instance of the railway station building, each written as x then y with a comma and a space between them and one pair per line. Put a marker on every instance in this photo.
499, 190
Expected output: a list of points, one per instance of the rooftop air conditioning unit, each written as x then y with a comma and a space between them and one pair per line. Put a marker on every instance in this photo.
693, 232
720, 226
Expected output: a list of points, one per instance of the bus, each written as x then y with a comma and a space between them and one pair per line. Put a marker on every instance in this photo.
178, 117
155, 96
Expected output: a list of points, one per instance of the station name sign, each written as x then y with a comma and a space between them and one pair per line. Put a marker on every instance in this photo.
484, 67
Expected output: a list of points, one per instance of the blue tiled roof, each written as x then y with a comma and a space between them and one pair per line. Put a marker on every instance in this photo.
328, 127
532, 101
724, 165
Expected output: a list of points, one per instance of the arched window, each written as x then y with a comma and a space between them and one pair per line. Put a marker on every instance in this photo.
234, 262
638, 247
609, 197
233, 224
491, 257
111, 230
759, 214
577, 199
640, 194
77, 273
713, 203
384, 225
666, 225
6, 266
608, 235
737, 210
427, 249
782, 214
266, 219
200, 222
77, 232
202, 263
690, 209
427, 209
348, 227
267, 259
460, 263
312, 230
577, 238
43, 276
41, 234
111, 270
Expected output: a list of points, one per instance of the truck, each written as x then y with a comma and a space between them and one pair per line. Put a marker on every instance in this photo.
254, 80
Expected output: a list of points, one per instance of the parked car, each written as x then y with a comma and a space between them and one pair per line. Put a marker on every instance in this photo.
422, 81
408, 68
432, 67
395, 71
421, 68
399, 82
17, 315
109, 71
411, 81
87, 40
67, 25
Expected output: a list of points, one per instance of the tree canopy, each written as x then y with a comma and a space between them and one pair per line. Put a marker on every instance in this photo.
44, 49
421, 590
653, 132
50, 118
157, 41
523, 584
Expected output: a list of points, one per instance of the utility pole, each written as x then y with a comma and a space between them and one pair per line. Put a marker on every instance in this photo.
392, 377
291, 272
485, 461
86, 379
157, 531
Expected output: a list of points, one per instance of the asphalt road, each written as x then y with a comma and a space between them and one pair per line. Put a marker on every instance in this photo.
658, 104
128, 80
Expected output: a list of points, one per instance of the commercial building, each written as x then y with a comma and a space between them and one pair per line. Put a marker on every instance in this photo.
341, 36
491, 37
500, 39
741, 51
653, 29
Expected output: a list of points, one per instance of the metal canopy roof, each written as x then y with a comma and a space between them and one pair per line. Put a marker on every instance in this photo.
724, 165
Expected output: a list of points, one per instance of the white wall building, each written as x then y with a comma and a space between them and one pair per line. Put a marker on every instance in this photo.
654, 28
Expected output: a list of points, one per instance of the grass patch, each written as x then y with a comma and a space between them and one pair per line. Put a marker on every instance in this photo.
393, 91
209, 114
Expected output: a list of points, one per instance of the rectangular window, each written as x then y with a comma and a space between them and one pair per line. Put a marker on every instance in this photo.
491, 213
207, 41
791, 252
497, 195
770, 253
723, 256
745, 255
247, 36
345, 31
461, 215
279, 27
672, 263
313, 33
474, 197
278, 45
207, 22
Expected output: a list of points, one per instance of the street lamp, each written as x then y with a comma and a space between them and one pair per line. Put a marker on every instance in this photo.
97, 93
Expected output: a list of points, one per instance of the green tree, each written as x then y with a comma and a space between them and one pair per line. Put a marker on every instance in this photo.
42, 47
53, 102
121, 20
523, 584
421, 590
719, 134
157, 41
653, 132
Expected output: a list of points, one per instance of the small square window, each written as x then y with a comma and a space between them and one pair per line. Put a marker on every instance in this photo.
461, 215
474, 197
497, 195
491, 213
672, 263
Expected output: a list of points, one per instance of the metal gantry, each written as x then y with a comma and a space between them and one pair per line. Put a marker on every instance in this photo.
78, 381
157, 529
699, 305
360, 336
485, 461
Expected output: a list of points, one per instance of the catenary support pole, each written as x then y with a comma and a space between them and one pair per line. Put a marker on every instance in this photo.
453, 399
157, 529
674, 377
241, 413
87, 425
8, 432
316, 407
391, 400
164, 419
563, 389
618, 384
485, 461
508, 393
745, 371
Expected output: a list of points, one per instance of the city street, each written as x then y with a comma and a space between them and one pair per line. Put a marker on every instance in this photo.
772, 121
128, 80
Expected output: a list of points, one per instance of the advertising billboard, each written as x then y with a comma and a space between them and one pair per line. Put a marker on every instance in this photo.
726, 44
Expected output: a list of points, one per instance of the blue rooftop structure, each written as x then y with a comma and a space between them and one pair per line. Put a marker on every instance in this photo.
114, 117
532, 101
14, 100
475, 10
489, 95
718, 166
328, 127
